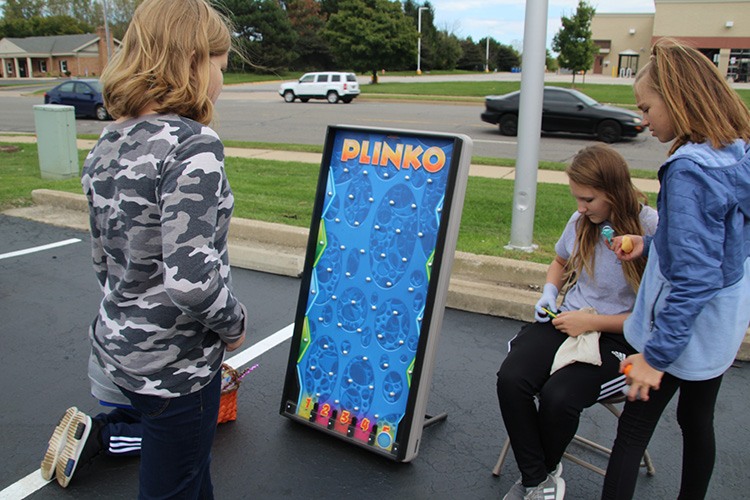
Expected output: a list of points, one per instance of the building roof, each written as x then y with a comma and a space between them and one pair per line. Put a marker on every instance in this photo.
47, 45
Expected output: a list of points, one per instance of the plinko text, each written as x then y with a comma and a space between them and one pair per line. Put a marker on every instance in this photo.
400, 156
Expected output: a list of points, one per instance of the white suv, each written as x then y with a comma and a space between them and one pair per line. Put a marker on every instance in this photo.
331, 86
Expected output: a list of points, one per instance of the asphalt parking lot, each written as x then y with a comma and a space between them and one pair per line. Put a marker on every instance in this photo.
48, 298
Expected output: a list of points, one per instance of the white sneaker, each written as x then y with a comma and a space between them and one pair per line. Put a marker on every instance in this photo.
558, 471
516, 492
56, 444
553, 488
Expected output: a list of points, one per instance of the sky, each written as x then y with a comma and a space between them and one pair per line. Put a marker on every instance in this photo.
503, 19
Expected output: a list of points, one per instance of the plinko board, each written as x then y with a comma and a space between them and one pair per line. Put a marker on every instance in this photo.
374, 285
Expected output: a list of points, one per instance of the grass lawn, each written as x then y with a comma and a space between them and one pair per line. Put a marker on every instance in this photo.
619, 95
283, 192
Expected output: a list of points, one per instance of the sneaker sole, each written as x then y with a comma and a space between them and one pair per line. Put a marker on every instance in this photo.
78, 432
560, 489
56, 444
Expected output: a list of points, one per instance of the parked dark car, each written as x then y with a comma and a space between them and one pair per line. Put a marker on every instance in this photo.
84, 95
566, 110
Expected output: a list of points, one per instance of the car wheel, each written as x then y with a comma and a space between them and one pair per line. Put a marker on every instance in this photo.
304, 99
332, 97
101, 113
609, 131
289, 96
346, 100
509, 125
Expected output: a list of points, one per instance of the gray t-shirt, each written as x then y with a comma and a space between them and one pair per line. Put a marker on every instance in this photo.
607, 292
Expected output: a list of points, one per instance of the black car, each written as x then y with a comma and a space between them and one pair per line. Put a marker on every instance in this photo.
84, 95
566, 110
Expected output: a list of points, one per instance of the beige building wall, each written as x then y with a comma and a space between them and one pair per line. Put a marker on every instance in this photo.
629, 33
719, 28
702, 19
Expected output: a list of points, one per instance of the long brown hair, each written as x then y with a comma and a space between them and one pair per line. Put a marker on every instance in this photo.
164, 60
602, 168
702, 106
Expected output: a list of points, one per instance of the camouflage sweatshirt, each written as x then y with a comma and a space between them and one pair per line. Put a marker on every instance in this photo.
160, 205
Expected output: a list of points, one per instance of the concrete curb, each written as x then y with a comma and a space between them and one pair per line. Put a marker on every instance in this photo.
479, 283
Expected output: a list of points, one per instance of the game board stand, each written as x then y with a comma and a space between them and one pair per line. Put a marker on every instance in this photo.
433, 419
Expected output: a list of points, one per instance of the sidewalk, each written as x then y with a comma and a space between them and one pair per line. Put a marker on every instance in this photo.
482, 284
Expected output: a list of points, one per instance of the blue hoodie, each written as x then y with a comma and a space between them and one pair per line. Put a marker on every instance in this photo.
693, 305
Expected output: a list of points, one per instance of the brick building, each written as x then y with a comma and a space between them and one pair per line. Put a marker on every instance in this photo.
62, 55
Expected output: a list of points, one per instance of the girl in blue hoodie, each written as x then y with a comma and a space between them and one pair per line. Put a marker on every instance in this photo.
693, 305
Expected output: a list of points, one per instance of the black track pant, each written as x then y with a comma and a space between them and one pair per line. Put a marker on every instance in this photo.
539, 436
695, 414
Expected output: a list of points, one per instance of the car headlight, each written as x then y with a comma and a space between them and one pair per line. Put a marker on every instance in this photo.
636, 121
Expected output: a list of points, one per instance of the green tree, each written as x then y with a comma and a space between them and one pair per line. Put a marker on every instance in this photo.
447, 50
43, 26
369, 35
328, 7
264, 34
119, 15
472, 56
430, 55
23, 9
573, 42
313, 52
507, 58
550, 62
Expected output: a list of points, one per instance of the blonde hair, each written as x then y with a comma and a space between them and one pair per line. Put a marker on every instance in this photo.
164, 60
602, 168
702, 106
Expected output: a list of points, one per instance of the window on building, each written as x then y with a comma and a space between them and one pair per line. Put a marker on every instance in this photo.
9, 68
63, 66
739, 65
43, 66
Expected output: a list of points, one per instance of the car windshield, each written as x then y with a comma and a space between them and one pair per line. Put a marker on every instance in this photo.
588, 100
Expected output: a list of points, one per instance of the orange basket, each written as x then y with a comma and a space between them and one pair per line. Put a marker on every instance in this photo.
229, 385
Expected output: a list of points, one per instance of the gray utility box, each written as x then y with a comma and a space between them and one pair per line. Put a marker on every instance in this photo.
56, 141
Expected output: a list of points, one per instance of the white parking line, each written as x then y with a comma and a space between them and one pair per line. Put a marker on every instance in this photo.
41, 248
34, 482
244, 357
24, 487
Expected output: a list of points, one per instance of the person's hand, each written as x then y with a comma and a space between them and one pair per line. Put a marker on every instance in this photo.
640, 376
622, 253
548, 301
573, 323
236, 344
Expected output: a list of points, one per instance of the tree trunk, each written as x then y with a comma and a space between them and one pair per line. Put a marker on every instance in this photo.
374, 76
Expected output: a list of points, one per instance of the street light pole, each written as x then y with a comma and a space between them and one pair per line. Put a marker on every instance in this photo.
106, 29
419, 40
529, 126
